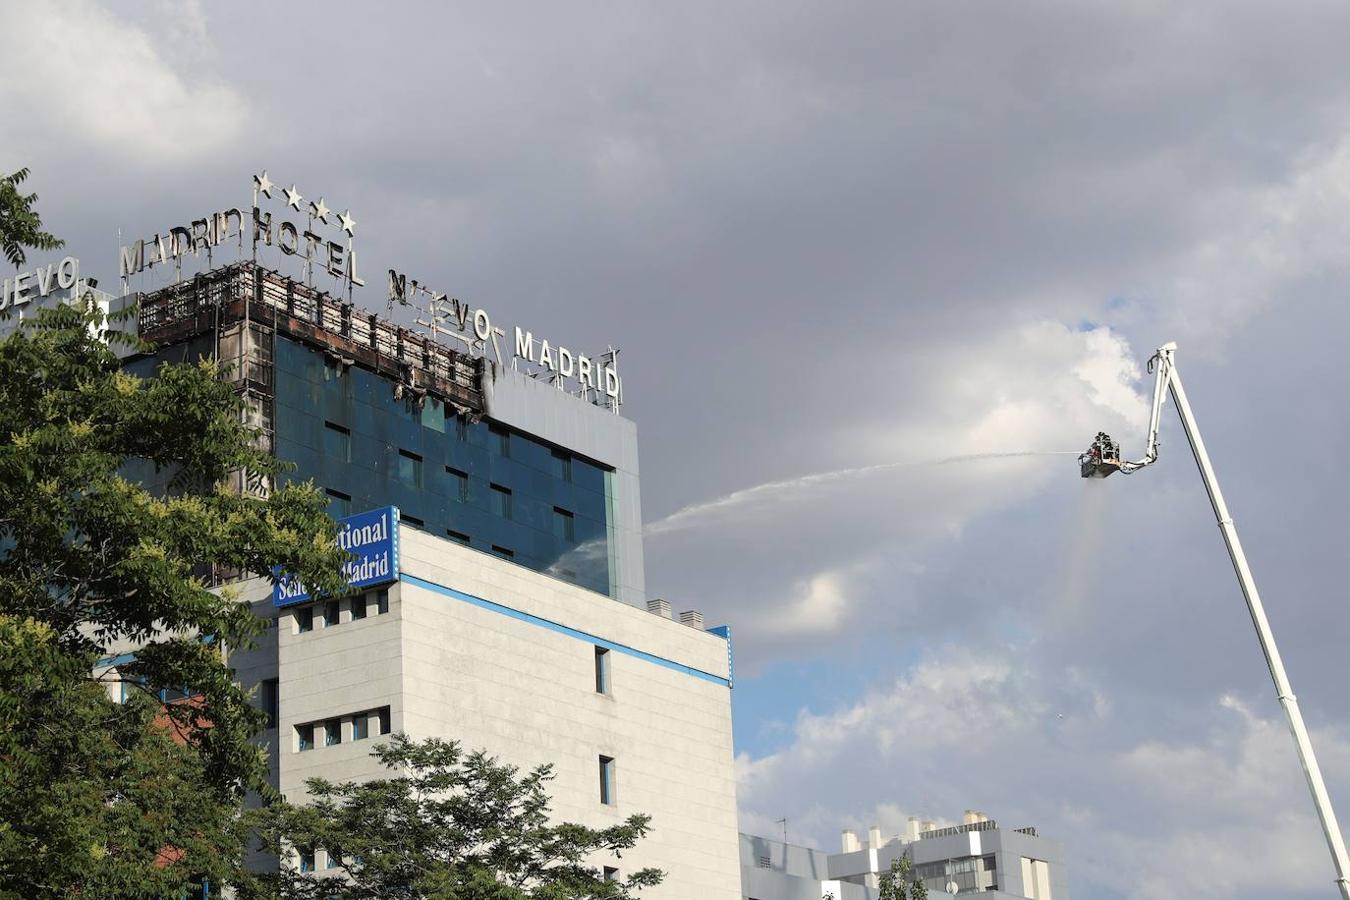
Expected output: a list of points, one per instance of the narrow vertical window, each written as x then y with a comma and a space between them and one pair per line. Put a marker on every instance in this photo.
360, 726
332, 732
304, 737
611, 873
607, 780
304, 619
306, 860
331, 613
381, 602
564, 525
562, 465
270, 695
339, 504
337, 442
461, 428
385, 725
459, 484
410, 467
501, 500
601, 670
502, 442
358, 604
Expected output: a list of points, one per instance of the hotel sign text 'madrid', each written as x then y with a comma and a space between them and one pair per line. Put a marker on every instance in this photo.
372, 539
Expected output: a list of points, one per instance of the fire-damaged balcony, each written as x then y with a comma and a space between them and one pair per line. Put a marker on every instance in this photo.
244, 293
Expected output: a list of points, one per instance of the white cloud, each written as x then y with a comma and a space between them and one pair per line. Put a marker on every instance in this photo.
76, 72
1216, 817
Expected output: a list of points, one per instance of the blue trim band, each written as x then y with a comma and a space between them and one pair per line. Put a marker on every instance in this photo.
562, 629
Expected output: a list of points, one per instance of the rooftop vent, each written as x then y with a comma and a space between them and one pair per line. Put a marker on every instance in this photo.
693, 618
659, 607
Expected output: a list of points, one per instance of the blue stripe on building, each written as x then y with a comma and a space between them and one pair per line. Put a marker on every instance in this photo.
562, 629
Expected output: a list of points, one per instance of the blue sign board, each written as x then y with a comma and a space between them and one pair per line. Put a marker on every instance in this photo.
372, 538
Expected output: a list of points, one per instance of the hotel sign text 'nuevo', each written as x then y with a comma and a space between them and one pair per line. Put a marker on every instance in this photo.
452, 316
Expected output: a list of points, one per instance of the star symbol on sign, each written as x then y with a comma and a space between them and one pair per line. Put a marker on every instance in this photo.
262, 184
348, 223
319, 211
293, 197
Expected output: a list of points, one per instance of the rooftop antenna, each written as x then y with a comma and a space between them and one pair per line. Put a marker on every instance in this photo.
1102, 459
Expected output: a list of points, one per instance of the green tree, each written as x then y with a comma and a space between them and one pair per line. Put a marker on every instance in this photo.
93, 564
899, 884
20, 226
448, 826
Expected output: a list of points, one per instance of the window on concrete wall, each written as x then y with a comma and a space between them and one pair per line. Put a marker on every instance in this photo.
332, 732
304, 619
385, 725
611, 873
360, 726
358, 604
331, 613
269, 694
607, 794
306, 860
601, 670
381, 601
304, 737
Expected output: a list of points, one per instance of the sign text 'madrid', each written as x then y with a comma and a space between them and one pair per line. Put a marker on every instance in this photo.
372, 538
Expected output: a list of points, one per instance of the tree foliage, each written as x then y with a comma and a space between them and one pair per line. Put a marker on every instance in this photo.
448, 825
93, 564
20, 226
899, 884
97, 799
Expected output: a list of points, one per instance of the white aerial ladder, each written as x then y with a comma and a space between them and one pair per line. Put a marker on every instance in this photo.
1103, 458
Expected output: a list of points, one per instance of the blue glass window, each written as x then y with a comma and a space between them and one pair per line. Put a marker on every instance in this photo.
345, 432
305, 737
337, 442
360, 726
332, 732
410, 468
562, 466
564, 525
501, 500
459, 484
339, 504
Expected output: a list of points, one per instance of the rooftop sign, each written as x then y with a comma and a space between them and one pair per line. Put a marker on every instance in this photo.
321, 241
372, 538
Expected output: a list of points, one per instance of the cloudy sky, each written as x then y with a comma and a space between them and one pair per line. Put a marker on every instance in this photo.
848, 250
